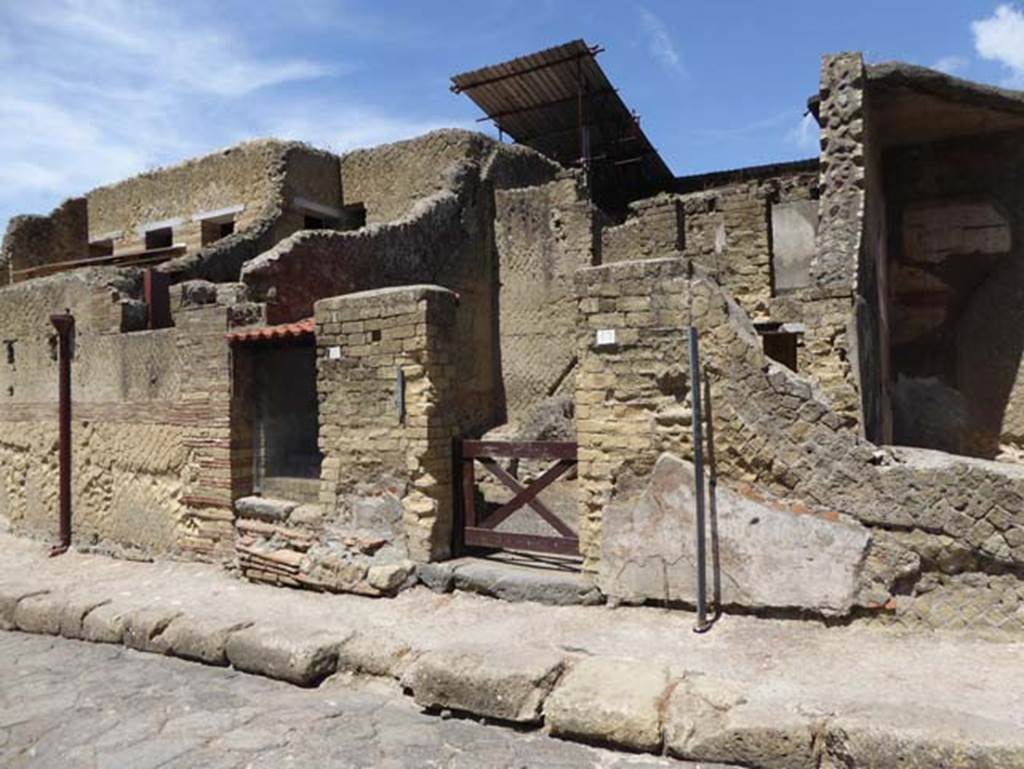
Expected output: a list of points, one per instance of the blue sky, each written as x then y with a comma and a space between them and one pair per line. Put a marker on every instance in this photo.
91, 92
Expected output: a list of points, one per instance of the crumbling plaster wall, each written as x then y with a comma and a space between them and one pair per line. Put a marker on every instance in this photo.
238, 175
771, 429
543, 234
150, 465
250, 174
268, 177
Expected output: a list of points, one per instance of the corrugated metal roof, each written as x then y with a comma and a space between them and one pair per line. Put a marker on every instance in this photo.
296, 330
535, 99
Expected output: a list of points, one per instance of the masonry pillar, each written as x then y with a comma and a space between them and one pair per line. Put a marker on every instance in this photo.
386, 382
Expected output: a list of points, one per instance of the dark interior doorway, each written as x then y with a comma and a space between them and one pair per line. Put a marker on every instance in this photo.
285, 420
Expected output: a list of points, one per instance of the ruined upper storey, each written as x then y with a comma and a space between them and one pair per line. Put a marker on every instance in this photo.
205, 217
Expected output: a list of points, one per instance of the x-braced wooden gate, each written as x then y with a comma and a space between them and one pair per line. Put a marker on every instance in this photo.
482, 532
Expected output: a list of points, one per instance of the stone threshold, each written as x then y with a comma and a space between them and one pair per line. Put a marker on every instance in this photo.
514, 576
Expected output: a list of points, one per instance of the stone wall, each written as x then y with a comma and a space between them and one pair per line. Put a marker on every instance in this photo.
151, 447
831, 313
248, 175
726, 226
391, 179
772, 429
654, 228
272, 182
33, 241
446, 240
543, 234
387, 467
128, 459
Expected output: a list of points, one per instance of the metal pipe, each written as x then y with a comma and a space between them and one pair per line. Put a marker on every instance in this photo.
65, 325
400, 394
716, 566
698, 482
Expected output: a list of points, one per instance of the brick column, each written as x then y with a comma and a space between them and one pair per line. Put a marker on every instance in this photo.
386, 464
204, 410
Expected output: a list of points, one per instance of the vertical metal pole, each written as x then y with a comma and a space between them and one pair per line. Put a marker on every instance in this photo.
579, 109
698, 482
65, 325
400, 394
459, 502
581, 124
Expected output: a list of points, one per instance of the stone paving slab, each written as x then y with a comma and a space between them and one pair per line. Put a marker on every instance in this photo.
773, 693
67, 704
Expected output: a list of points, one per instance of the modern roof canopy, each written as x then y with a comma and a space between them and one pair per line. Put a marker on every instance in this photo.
560, 102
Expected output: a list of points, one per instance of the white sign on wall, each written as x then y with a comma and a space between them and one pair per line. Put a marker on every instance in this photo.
605, 336
334, 353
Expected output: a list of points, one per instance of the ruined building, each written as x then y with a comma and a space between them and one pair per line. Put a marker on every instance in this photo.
325, 371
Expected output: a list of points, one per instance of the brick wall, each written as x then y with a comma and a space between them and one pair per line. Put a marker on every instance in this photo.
726, 227
379, 464
771, 426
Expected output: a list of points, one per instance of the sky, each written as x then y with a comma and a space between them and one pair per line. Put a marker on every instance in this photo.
92, 92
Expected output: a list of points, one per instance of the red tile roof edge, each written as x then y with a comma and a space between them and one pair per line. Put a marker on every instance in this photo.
300, 328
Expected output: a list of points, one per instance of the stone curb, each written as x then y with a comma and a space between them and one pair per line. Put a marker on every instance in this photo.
503, 684
624, 704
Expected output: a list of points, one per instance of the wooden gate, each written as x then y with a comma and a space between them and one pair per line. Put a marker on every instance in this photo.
482, 532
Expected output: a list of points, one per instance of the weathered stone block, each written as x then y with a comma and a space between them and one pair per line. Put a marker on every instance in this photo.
388, 578
611, 701
769, 558
512, 583
709, 719
9, 598
885, 736
264, 508
203, 640
510, 686
74, 613
105, 624
288, 654
374, 654
143, 629
39, 614
439, 577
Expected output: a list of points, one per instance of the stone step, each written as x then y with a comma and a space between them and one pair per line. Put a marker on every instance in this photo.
265, 508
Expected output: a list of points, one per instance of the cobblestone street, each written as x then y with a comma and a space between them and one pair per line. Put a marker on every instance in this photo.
70, 704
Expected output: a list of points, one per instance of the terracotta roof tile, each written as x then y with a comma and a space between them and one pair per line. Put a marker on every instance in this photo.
300, 328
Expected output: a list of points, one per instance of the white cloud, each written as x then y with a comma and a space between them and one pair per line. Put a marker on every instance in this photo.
151, 41
659, 41
1000, 38
93, 91
951, 65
